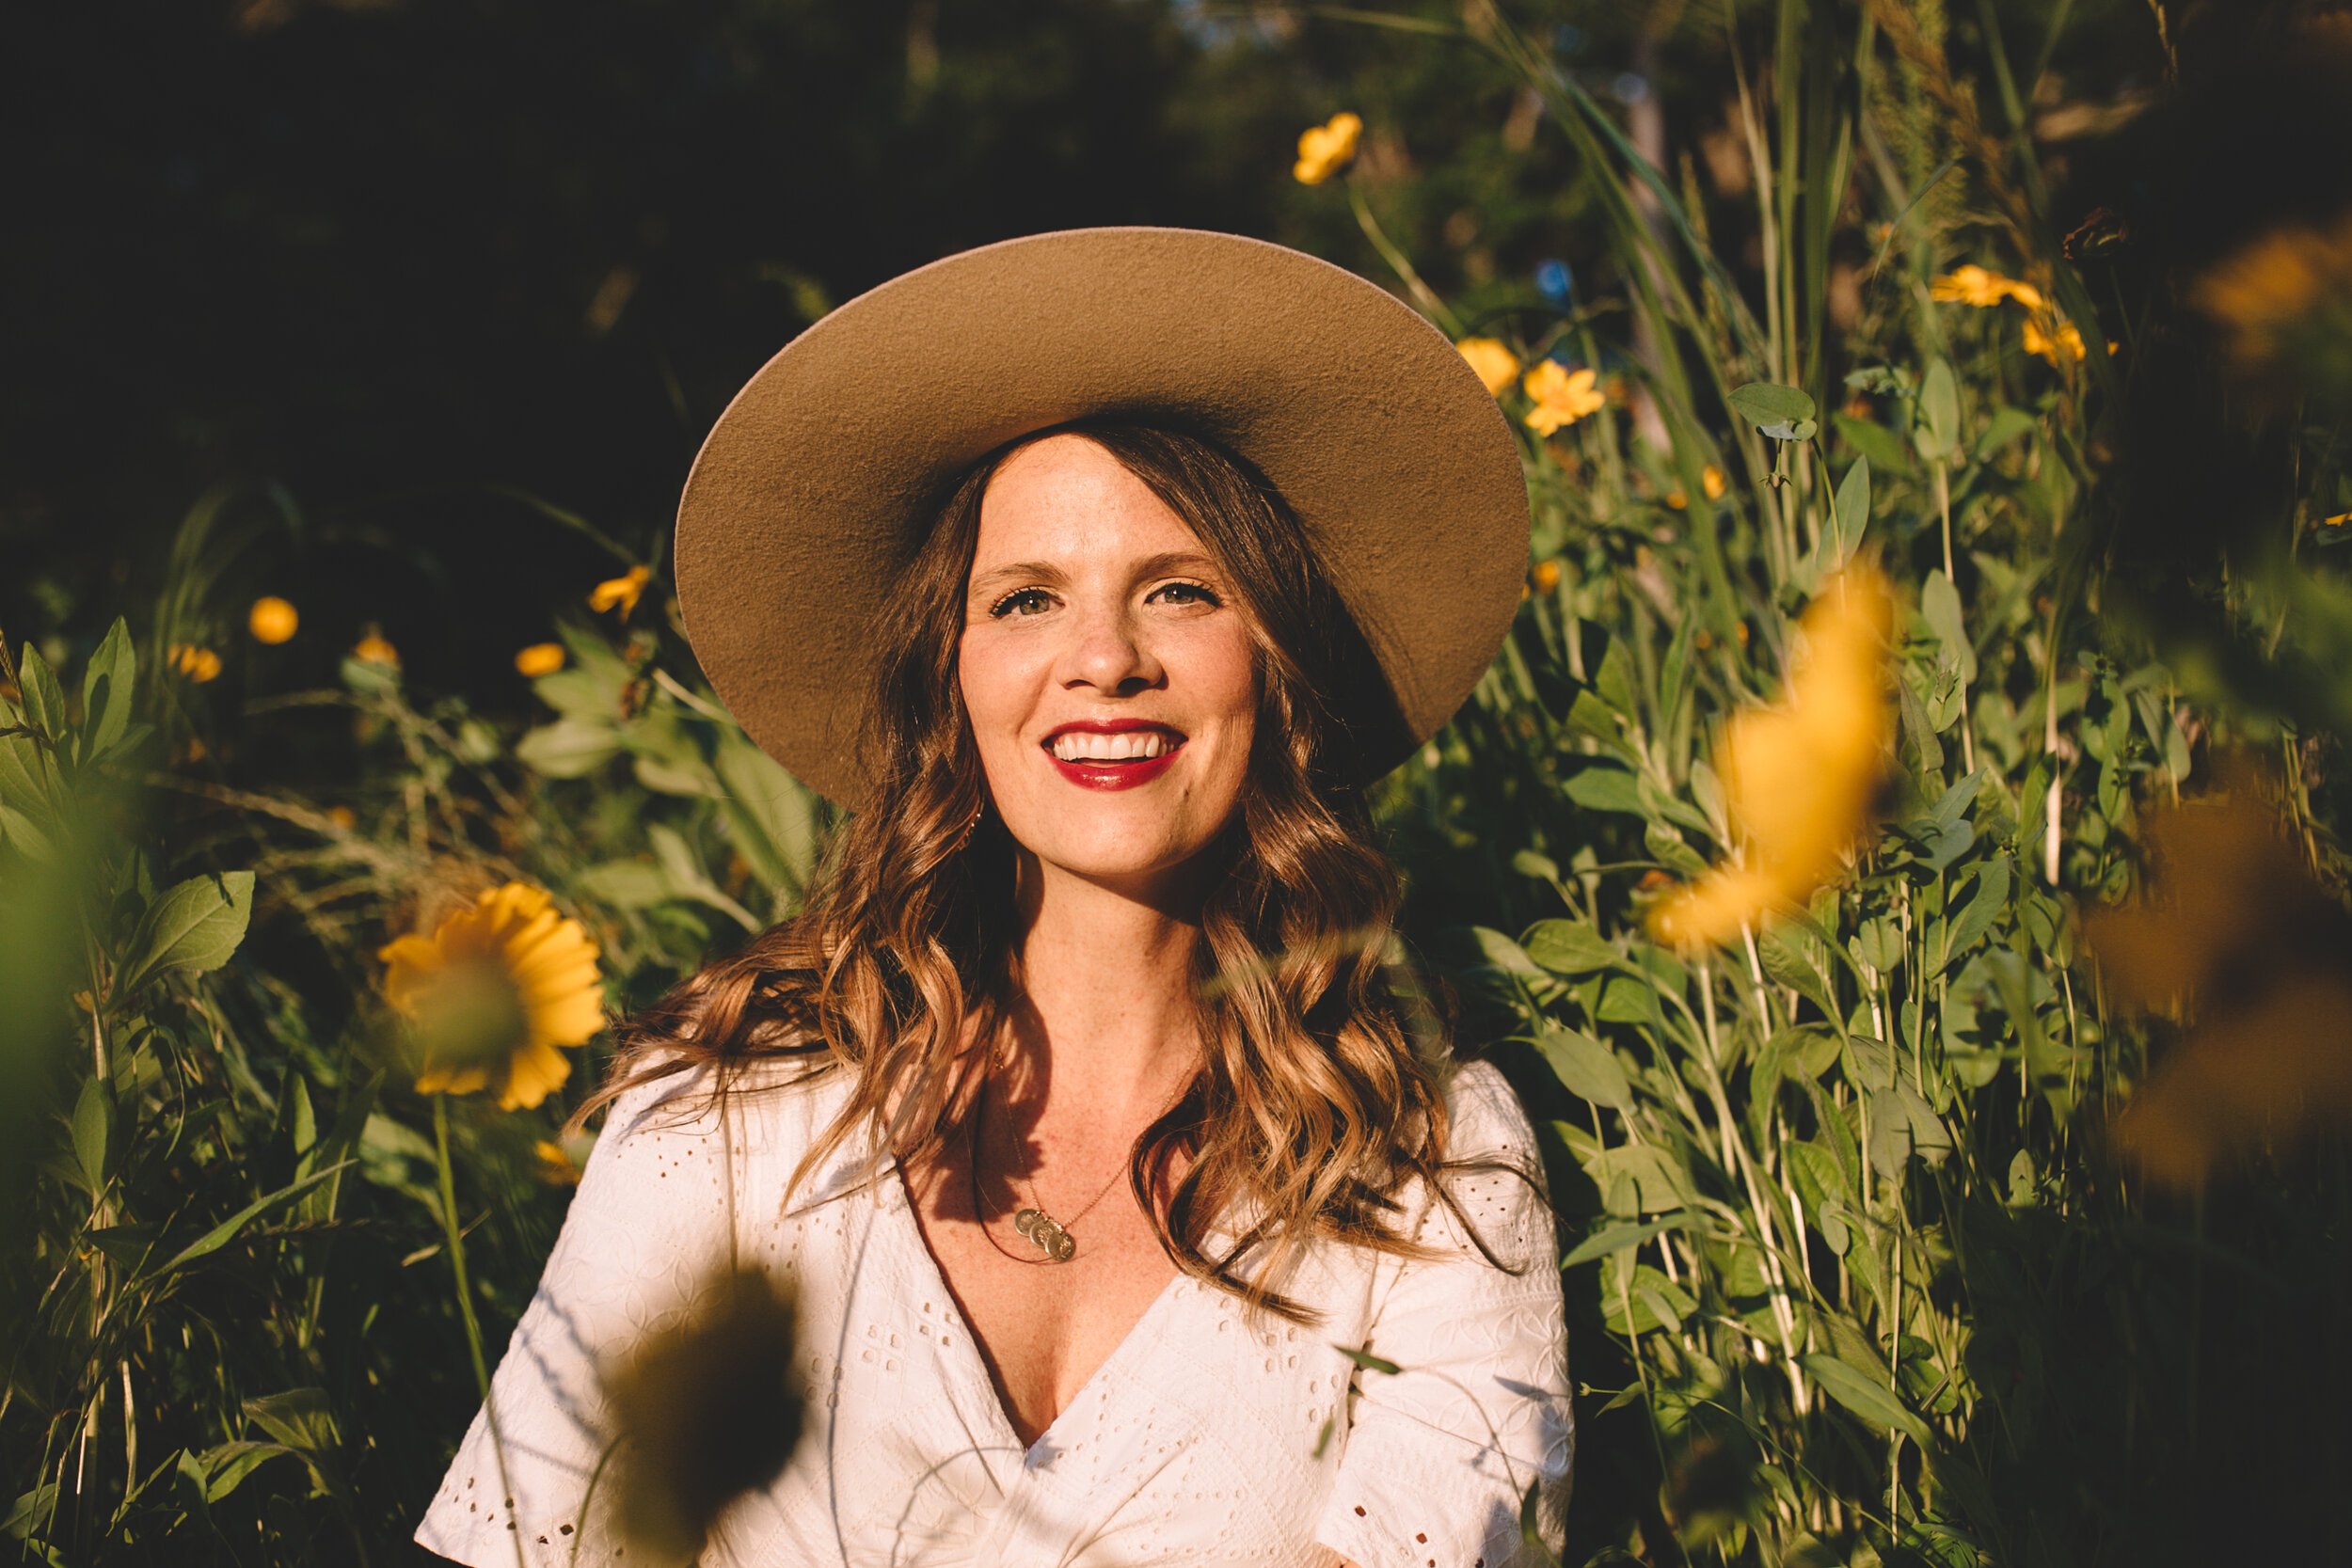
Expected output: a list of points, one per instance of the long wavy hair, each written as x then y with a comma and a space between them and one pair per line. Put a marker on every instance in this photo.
1317, 1101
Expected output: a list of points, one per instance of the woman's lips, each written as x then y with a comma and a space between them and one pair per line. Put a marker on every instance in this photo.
1120, 773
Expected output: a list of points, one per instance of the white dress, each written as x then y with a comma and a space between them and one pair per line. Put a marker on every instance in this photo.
1200, 1441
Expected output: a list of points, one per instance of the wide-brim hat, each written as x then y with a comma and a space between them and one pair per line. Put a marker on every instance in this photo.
825, 475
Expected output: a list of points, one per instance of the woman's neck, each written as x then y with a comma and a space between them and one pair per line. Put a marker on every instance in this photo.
1111, 1009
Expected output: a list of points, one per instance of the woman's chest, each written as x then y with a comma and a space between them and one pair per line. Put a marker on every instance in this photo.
1201, 1423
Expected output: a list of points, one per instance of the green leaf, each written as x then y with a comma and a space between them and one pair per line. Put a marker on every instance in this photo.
44, 699
687, 878
300, 1419
1671, 852
1806, 1051
220, 1470
1530, 862
1775, 411
624, 884
222, 1234
1939, 604
1873, 1401
773, 814
93, 1119
1605, 786
1569, 947
569, 748
108, 684
1367, 1361
1658, 1186
1786, 966
1851, 511
1938, 434
1903, 1125
1988, 901
2006, 425
1586, 1068
192, 926
1618, 1238
1501, 953
1874, 441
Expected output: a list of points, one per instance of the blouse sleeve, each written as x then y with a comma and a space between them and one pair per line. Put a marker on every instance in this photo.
1441, 1452
650, 1221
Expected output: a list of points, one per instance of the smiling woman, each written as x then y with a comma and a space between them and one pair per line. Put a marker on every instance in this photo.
1132, 1214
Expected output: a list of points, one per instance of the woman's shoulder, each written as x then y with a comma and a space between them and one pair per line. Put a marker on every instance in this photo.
1485, 1120
766, 1105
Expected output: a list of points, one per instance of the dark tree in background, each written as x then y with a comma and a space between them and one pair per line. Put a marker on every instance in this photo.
399, 257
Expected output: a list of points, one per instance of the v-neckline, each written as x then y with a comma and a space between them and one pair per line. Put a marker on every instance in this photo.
974, 1365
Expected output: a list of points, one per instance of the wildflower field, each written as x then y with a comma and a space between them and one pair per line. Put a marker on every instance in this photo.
1896, 855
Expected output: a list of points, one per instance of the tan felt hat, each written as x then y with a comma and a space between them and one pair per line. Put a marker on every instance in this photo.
824, 475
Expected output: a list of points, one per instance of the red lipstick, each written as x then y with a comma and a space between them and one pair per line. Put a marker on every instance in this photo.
1113, 773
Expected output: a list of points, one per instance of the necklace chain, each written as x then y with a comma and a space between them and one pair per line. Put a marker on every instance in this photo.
1049, 1235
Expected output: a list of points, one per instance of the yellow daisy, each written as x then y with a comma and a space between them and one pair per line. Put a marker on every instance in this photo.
198, 664
1496, 365
540, 658
1561, 399
495, 990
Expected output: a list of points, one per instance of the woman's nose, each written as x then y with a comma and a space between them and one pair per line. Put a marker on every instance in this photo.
1111, 656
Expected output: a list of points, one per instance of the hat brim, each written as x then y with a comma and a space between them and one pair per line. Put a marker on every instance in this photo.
822, 479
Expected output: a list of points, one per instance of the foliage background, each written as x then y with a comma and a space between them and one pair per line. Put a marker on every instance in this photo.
415, 312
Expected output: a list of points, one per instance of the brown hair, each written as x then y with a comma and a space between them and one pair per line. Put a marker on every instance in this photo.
1313, 1108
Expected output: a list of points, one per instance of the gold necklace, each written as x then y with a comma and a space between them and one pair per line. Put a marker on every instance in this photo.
1049, 1235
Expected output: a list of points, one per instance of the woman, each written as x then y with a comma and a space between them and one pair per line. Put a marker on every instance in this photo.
1097, 572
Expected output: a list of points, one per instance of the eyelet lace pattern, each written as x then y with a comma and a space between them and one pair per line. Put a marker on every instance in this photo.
1195, 1443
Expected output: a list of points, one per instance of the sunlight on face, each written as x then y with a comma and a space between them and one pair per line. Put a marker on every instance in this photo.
1107, 668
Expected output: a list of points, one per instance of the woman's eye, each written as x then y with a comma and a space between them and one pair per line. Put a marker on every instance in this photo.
1026, 601
1183, 594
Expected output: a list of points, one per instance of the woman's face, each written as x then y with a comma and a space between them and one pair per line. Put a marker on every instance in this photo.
1107, 668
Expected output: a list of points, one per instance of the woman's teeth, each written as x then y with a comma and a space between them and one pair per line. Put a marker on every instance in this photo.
1124, 746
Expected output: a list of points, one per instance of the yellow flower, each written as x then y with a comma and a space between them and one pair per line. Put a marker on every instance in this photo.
198, 664
555, 1167
498, 986
1973, 285
344, 817
1324, 149
2235, 938
2337, 521
1799, 779
1677, 497
1712, 481
1496, 365
271, 619
2066, 341
621, 591
540, 658
372, 649
2264, 289
1547, 576
1561, 399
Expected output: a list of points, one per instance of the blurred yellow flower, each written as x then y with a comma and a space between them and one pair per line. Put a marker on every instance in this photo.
344, 817
1547, 576
372, 649
2269, 285
1677, 497
1973, 285
2337, 521
1799, 779
1561, 399
540, 658
2235, 935
1496, 365
2066, 341
1711, 479
621, 592
198, 664
1324, 149
555, 1167
500, 984
271, 619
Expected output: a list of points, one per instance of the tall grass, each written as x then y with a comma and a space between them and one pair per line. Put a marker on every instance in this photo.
1853, 1275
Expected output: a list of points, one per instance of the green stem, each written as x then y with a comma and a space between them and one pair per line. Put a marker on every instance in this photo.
456, 1239
1396, 259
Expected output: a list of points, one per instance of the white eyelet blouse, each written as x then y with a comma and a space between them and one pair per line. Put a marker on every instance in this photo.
1200, 1440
